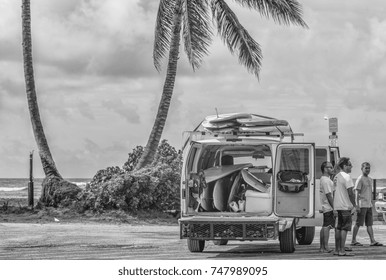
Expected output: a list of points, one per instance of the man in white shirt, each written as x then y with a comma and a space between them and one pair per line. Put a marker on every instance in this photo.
363, 191
344, 204
326, 200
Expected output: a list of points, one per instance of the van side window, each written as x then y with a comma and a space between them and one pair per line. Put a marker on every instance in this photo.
191, 159
207, 159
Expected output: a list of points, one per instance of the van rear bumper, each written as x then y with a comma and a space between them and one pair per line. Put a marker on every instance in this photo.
228, 228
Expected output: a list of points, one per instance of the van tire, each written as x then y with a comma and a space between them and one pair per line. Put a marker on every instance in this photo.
196, 245
222, 242
305, 235
287, 240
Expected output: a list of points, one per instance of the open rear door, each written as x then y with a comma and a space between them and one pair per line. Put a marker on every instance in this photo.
294, 180
334, 155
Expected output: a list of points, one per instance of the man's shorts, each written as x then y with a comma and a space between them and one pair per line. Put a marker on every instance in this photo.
365, 216
344, 220
329, 219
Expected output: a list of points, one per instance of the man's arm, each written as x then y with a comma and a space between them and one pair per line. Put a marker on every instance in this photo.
351, 196
358, 190
330, 199
357, 197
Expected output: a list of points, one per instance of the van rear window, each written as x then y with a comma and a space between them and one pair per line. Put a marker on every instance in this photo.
295, 159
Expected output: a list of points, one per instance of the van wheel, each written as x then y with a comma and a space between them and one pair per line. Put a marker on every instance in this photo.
287, 240
220, 242
305, 235
196, 245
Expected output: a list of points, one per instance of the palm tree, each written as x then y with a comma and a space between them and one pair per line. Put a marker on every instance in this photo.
53, 184
195, 18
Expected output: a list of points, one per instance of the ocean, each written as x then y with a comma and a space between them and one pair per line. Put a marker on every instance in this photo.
18, 187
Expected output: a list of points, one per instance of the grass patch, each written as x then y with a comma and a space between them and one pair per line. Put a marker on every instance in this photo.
17, 211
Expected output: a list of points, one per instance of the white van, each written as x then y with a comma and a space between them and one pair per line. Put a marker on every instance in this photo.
245, 178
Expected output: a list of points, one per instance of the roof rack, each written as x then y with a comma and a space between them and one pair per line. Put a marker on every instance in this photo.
236, 134
240, 130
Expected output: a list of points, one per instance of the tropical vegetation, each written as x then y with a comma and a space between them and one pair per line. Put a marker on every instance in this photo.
155, 187
194, 21
55, 188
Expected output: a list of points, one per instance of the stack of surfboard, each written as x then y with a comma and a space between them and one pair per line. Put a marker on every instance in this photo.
245, 123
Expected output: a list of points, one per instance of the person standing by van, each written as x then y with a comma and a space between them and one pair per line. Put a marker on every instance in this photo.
363, 191
327, 202
344, 204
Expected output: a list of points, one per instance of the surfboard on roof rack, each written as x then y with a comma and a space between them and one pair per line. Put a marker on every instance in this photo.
227, 117
260, 122
245, 124
267, 129
211, 126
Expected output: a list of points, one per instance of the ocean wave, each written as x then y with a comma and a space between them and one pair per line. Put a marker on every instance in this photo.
80, 184
12, 189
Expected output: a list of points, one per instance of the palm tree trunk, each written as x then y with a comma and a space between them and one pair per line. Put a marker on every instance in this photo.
163, 108
37, 127
54, 188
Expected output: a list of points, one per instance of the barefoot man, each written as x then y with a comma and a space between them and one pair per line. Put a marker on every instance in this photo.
344, 203
326, 200
363, 191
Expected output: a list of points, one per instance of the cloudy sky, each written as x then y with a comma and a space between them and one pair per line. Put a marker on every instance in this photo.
98, 89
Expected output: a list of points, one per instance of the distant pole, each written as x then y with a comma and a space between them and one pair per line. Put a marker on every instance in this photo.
375, 189
31, 182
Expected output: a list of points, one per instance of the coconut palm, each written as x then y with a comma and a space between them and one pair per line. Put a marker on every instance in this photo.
53, 180
194, 18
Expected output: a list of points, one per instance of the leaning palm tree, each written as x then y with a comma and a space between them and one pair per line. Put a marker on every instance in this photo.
54, 187
193, 17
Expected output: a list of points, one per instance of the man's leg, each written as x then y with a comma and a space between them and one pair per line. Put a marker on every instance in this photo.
346, 227
337, 241
321, 239
359, 222
354, 234
337, 232
343, 236
369, 224
371, 234
326, 238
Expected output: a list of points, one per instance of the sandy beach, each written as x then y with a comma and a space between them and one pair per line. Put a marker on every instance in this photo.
109, 241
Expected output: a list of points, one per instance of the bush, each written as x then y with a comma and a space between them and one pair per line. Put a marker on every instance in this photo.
133, 159
155, 187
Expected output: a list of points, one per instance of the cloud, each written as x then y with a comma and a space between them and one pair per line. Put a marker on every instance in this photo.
12, 88
122, 31
127, 111
98, 90
89, 158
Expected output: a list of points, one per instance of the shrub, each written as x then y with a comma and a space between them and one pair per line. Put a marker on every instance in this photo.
155, 187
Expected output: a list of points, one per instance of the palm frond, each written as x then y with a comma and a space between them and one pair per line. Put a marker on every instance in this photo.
281, 11
236, 37
197, 31
163, 31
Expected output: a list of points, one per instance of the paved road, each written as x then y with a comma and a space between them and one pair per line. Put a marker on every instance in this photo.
106, 241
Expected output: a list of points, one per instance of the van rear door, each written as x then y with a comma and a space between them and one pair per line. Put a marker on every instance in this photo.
294, 180
334, 155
